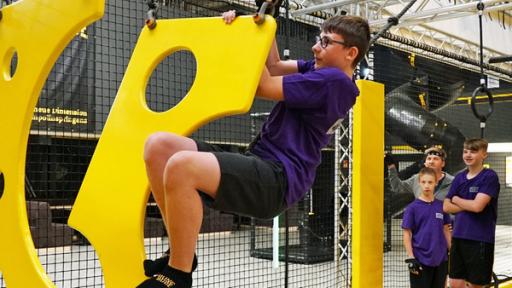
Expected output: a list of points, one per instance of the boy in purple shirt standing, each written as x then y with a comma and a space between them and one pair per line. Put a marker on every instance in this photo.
427, 235
279, 167
473, 198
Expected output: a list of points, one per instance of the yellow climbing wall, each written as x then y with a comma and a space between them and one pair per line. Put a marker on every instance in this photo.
110, 206
35, 32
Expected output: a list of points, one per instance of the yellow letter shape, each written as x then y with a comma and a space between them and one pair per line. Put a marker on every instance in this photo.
368, 186
109, 209
38, 31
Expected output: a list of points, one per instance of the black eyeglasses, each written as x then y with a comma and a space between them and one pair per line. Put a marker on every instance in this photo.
325, 41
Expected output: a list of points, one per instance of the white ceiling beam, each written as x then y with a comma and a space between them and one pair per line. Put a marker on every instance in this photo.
502, 7
323, 6
450, 43
437, 17
434, 12
416, 21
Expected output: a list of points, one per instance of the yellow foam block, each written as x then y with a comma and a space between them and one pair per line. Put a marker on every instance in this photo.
368, 186
109, 209
36, 31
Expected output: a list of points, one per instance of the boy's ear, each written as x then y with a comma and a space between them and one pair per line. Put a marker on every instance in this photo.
352, 54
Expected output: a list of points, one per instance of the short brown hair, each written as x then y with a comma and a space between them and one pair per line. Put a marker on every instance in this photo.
476, 144
434, 150
427, 171
355, 31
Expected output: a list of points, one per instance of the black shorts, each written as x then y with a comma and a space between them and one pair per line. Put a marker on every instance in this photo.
471, 260
249, 185
430, 277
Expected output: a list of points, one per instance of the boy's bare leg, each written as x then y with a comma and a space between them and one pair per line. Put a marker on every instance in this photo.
185, 173
457, 283
159, 147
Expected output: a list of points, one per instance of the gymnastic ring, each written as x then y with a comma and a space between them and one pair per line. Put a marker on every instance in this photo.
482, 117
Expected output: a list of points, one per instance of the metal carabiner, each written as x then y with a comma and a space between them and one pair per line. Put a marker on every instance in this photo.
259, 17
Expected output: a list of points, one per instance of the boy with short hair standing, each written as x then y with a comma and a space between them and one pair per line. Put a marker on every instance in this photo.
427, 236
473, 198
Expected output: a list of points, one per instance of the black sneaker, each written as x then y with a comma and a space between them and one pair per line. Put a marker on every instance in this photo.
168, 278
151, 267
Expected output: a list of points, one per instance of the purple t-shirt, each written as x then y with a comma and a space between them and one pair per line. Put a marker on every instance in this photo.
476, 226
426, 220
298, 128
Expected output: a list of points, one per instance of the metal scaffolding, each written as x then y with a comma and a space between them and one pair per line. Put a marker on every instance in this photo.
414, 25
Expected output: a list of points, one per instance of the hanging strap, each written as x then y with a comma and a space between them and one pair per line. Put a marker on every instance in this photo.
483, 87
286, 55
392, 21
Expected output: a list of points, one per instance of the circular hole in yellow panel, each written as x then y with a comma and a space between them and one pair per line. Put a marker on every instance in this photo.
171, 80
1, 184
9, 64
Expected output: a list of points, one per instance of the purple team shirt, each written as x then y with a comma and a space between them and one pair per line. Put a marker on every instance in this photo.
476, 226
426, 220
301, 125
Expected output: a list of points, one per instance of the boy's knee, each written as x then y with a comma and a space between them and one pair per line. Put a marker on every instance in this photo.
159, 144
153, 144
178, 167
180, 160
457, 283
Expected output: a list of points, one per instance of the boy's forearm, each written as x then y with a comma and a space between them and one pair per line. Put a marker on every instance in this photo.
476, 205
397, 185
278, 67
450, 207
273, 57
465, 204
448, 236
270, 87
408, 243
